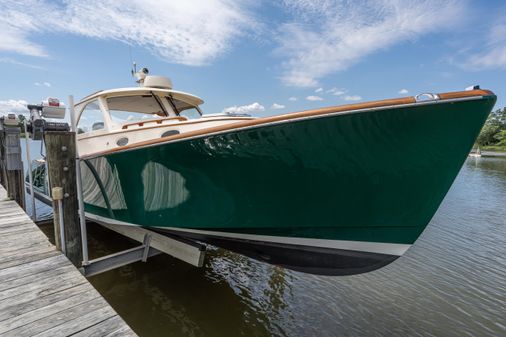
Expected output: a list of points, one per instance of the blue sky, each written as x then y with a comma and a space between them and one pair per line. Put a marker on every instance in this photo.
253, 56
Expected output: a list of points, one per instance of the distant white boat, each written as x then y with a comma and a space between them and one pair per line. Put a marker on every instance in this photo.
476, 154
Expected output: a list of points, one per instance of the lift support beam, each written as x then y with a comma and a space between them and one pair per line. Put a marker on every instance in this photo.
120, 259
152, 244
192, 253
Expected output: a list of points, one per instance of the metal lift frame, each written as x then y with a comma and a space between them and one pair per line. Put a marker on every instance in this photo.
152, 243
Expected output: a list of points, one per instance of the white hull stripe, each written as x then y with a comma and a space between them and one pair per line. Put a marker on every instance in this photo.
362, 246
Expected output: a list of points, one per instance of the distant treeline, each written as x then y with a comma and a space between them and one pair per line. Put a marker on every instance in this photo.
494, 130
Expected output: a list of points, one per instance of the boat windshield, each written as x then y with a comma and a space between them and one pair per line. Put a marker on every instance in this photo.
134, 108
184, 109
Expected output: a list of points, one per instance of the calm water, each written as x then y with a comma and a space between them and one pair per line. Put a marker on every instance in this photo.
452, 282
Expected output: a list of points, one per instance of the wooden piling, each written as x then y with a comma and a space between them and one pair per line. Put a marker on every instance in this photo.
12, 165
60, 156
3, 179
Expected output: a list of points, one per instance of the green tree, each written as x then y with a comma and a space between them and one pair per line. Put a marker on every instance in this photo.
498, 118
487, 134
491, 134
501, 138
21, 121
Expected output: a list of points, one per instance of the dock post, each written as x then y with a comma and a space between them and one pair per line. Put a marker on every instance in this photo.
30, 172
3, 179
12, 164
79, 184
60, 157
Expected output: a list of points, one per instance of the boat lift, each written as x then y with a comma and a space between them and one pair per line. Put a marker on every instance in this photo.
152, 243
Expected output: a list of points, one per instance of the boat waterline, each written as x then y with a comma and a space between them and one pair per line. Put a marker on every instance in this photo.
363, 246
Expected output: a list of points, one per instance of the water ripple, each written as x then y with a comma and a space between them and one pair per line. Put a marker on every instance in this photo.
452, 282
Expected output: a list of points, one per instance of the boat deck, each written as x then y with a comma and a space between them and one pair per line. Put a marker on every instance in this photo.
41, 292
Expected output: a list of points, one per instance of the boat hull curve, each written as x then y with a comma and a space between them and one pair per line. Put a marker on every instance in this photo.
374, 176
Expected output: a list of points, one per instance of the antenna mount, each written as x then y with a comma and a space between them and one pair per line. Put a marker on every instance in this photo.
140, 75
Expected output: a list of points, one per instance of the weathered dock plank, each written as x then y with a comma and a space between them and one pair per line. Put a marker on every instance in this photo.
48, 285
65, 316
33, 317
13, 237
123, 332
14, 306
34, 277
22, 258
27, 313
41, 292
18, 227
81, 320
31, 267
22, 245
30, 250
104, 328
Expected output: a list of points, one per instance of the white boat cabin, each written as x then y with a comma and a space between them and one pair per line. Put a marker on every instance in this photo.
119, 117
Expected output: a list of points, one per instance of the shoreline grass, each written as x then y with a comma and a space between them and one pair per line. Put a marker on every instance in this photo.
494, 148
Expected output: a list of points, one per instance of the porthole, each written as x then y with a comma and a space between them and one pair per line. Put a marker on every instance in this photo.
170, 133
122, 141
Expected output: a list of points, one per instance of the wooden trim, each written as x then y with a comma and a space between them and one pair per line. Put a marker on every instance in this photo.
463, 94
203, 120
296, 115
157, 121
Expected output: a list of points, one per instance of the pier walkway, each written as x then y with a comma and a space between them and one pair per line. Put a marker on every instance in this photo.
41, 292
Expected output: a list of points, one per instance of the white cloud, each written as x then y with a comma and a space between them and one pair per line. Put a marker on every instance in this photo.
13, 106
319, 90
314, 98
16, 27
15, 62
403, 91
328, 36
336, 92
352, 98
292, 98
253, 107
276, 106
494, 54
173, 30
43, 84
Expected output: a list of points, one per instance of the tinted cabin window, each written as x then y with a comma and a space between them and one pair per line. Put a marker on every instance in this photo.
184, 109
91, 118
191, 113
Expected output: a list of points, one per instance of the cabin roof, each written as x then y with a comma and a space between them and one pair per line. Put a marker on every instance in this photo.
189, 98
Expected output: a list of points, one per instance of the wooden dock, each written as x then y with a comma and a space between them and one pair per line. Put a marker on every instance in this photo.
41, 292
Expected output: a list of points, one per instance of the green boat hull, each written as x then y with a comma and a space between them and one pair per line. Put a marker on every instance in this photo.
373, 176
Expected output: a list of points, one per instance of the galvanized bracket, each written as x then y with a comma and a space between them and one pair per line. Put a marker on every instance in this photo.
116, 260
147, 241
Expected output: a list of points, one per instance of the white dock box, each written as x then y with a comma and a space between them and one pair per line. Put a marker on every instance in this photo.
53, 108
